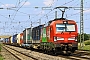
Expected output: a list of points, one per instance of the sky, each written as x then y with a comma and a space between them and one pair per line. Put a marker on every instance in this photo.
16, 15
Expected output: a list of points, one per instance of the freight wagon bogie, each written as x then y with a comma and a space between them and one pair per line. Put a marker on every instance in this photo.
35, 46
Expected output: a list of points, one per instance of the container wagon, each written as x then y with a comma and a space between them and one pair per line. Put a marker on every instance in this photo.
27, 38
10, 39
6, 41
19, 39
36, 35
14, 39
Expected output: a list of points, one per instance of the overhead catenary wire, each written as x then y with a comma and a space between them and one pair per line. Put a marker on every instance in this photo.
63, 4
67, 2
19, 8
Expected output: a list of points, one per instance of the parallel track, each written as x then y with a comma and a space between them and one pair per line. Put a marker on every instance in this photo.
19, 55
78, 55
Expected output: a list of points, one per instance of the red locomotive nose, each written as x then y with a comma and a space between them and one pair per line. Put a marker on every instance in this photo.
66, 40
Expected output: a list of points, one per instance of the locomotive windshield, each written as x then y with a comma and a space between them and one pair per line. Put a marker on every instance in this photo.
65, 27
60, 27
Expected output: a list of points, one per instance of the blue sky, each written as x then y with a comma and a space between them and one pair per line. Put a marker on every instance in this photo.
17, 15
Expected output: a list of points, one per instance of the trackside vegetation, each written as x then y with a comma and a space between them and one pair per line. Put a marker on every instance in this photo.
86, 45
86, 42
1, 58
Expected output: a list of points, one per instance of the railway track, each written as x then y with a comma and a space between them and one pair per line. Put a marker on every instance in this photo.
34, 54
18, 55
78, 55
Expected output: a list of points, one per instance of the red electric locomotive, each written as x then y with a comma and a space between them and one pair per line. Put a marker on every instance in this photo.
60, 35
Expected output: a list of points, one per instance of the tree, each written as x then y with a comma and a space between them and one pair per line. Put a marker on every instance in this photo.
86, 37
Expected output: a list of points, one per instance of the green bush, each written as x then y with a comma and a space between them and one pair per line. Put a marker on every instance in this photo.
87, 47
0, 47
1, 58
87, 42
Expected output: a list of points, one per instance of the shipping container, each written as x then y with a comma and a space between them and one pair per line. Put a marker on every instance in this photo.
6, 40
27, 39
27, 35
10, 39
36, 33
14, 39
19, 39
3, 41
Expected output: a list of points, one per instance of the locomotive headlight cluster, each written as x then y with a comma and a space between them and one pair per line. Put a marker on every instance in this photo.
72, 38
58, 38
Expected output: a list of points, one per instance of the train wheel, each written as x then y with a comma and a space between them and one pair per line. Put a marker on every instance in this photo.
45, 51
54, 52
68, 52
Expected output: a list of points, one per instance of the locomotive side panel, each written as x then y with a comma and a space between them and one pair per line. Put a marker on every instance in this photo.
43, 35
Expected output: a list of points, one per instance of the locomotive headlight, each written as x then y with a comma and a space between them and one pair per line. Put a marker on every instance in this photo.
75, 39
55, 38
65, 22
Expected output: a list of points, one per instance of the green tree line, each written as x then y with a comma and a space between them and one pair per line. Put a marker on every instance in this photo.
86, 37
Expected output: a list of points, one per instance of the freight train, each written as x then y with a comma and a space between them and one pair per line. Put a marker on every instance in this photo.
58, 35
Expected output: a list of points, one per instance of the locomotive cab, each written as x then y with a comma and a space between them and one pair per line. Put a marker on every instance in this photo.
65, 35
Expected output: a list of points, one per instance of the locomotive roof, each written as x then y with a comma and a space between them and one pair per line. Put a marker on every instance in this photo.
57, 19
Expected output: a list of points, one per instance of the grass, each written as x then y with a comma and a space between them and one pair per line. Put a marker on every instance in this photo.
1, 58
0, 47
87, 42
86, 45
